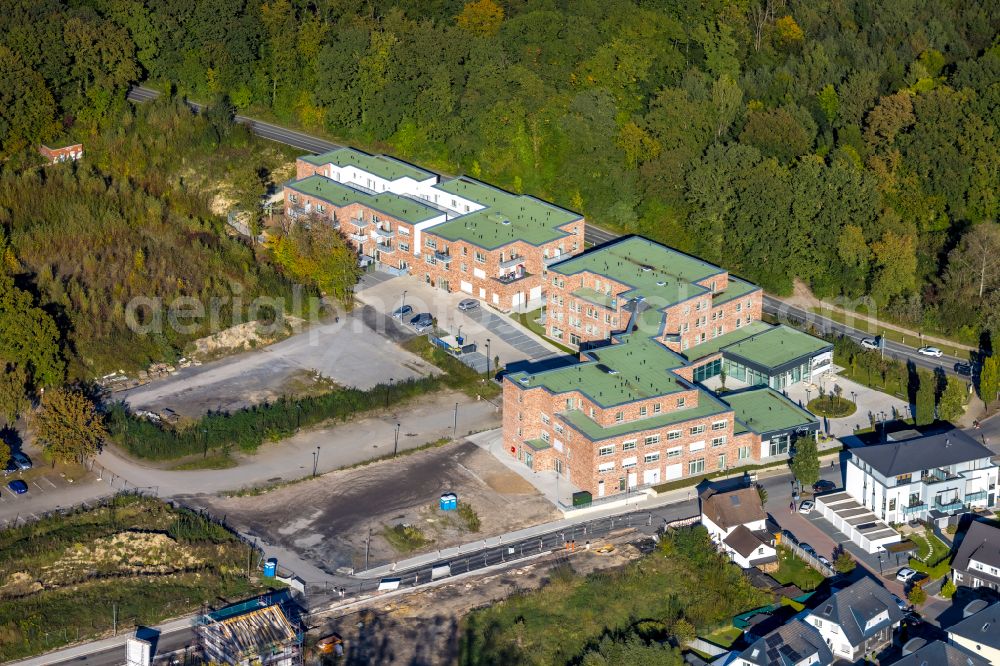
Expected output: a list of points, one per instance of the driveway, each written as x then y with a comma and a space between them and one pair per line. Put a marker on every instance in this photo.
358, 350
507, 338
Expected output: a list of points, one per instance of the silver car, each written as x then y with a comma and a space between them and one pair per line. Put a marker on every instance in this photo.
467, 304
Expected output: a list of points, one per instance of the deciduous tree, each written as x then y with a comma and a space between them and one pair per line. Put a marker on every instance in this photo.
805, 460
952, 400
480, 17
68, 425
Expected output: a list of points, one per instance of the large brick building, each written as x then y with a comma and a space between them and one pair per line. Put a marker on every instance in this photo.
457, 234
656, 327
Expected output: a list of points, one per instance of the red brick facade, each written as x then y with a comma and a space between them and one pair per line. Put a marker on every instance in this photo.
66, 153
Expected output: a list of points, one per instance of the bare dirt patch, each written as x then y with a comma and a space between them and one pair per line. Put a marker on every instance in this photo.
509, 483
423, 627
326, 520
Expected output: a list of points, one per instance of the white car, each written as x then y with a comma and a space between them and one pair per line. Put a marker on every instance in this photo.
930, 351
467, 304
869, 343
905, 575
806, 506
822, 558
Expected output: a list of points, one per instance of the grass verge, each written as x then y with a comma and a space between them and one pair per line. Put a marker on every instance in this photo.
63, 578
215, 461
792, 570
889, 333
527, 319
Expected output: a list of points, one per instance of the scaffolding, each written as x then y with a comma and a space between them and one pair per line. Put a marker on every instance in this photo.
250, 633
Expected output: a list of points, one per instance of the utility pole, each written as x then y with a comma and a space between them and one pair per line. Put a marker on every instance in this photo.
388, 388
368, 543
395, 447
315, 461
487, 358
454, 430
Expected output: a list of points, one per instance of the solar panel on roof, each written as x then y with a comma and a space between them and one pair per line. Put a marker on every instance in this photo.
773, 640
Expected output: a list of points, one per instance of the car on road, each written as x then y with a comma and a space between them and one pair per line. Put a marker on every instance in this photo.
806, 506
963, 369
905, 575
870, 343
930, 351
467, 304
422, 321
822, 558
18, 487
402, 311
823, 486
22, 461
809, 549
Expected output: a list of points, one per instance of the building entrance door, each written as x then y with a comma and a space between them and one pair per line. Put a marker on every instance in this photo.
600, 488
633, 480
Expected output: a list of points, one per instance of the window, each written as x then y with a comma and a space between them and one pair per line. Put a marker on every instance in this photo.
629, 463
545, 418
619, 417
321, 208
294, 197
674, 434
651, 457
739, 307
904, 479
545, 436
892, 504
656, 408
606, 450
559, 428
480, 257
739, 322
719, 425
675, 452
642, 411
696, 446
698, 429
652, 439
681, 401
464, 267
629, 445
743, 453
719, 441
404, 247
431, 243
722, 461
696, 466
606, 467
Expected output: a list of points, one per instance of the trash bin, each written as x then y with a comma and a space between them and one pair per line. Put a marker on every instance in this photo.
270, 567
582, 498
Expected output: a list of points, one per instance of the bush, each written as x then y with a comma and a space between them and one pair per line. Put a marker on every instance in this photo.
844, 563
948, 589
917, 595
468, 516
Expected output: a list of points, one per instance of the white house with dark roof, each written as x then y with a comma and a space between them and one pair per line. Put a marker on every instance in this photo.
736, 521
979, 634
939, 653
927, 478
977, 560
858, 620
792, 644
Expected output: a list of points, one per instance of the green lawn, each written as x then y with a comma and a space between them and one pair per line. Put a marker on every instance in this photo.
831, 406
792, 570
724, 636
527, 319
685, 582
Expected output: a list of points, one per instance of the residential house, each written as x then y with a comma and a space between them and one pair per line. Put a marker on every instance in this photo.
69, 153
977, 561
939, 653
979, 634
793, 644
857, 621
736, 522
927, 478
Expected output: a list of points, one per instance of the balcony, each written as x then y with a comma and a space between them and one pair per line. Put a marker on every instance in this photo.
548, 261
359, 223
937, 476
443, 257
385, 233
914, 508
358, 238
512, 262
975, 497
953, 505
384, 249
512, 277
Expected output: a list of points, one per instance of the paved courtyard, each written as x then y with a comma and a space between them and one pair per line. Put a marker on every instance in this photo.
869, 401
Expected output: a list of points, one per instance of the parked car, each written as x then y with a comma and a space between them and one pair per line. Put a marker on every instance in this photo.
809, 549
806, 506
402, 311
905, 575
18, 487
422, 321
963, 369
22, 461
899, 602
467, 304
870, 343
788, 537
823, 486
822, 558
930, 351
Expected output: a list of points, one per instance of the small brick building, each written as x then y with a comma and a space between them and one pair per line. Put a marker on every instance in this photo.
56, 155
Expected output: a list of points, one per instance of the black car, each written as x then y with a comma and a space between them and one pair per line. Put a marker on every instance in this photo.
963, 369
422, 321
823, 486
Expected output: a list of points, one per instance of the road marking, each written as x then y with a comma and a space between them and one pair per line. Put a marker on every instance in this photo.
50, 482
40, 489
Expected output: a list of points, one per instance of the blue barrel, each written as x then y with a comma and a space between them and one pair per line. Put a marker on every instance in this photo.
270, 566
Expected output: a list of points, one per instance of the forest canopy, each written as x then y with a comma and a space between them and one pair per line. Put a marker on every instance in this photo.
852, 145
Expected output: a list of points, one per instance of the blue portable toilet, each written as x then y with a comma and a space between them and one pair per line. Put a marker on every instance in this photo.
270, 567
449, 502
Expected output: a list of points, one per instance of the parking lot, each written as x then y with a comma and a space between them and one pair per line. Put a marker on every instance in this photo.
507, 338
50, 490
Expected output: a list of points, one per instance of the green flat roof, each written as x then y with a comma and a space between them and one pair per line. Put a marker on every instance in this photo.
765, 410
338, 194
735, 289
379, 165
594, 431
593, 296
713, 345
777, 346
506, 217
661, 275
643, 367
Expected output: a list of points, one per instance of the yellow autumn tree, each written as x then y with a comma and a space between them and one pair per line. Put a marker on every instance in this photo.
482, 17
637, 144
788, 32
314, 253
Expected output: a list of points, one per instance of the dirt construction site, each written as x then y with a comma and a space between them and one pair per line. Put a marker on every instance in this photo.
327, 520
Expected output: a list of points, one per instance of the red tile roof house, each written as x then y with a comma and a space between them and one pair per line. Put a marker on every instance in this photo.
56, 155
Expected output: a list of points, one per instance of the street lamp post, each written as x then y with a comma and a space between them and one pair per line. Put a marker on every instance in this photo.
395, 446
315, 461
454, 430
388, 388
487, 358
402, 304
808, 394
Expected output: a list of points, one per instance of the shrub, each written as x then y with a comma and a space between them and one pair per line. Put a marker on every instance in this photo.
948, 589
844, 563
468, 516
917, 595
